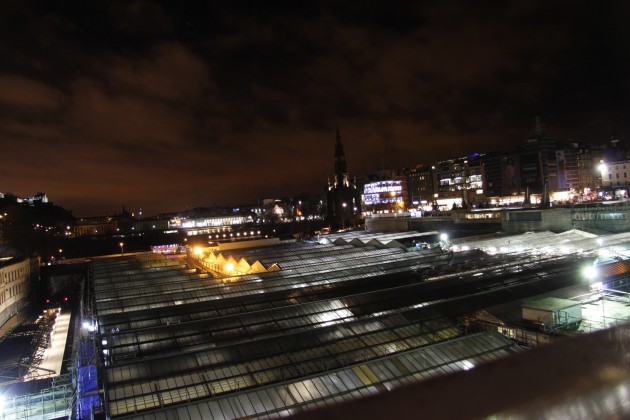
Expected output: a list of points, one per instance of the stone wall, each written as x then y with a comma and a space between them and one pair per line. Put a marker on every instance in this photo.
598, 220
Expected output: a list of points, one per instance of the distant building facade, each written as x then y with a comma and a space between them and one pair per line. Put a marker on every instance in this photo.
459, 183
615, 177
589, 178
39, 198
15, 285
419, 186
90, 226
385, 196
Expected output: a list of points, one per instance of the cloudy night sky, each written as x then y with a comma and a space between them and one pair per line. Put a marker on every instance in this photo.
166, 107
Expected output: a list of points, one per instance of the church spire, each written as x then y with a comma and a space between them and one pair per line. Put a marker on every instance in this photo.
341, 171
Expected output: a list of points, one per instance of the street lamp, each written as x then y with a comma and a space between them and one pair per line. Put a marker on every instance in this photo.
122, 249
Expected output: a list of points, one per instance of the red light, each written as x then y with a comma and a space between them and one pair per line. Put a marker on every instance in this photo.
47, 300
65, 299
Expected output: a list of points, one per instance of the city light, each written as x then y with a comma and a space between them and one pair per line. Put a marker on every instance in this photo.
467, 364
198, 251
590, 272
88, 326
229, 267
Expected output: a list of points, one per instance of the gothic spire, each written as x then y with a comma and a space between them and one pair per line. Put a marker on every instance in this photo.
341, 171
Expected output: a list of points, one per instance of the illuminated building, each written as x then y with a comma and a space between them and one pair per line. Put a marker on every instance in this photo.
459, 182
103, 225
385, 196
15, 285
615, 176
275, 210
88, 226
40, 197
343, 197
588, 175
420, 186
221, 223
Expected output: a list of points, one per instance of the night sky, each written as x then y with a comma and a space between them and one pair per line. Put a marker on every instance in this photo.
166, 107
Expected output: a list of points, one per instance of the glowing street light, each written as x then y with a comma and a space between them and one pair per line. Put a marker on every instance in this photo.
603, 173
122, 249
590, 272
198, 251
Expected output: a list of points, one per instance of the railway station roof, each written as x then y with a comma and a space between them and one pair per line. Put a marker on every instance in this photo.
338, 321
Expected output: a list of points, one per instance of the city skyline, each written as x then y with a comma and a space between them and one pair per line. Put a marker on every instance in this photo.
171, 107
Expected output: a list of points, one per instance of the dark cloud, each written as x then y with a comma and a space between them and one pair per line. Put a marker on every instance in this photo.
26, 94
165, 106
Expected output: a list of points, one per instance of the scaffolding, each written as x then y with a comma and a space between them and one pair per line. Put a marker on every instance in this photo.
55, 401
86, 361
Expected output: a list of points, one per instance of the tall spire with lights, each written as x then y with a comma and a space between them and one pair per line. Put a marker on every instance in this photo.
341, 171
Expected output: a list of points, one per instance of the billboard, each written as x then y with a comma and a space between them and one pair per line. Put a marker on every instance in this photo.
531, 172
510, 174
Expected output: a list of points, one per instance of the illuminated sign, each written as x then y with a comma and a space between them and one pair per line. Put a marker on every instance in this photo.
383, 187
383, 192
